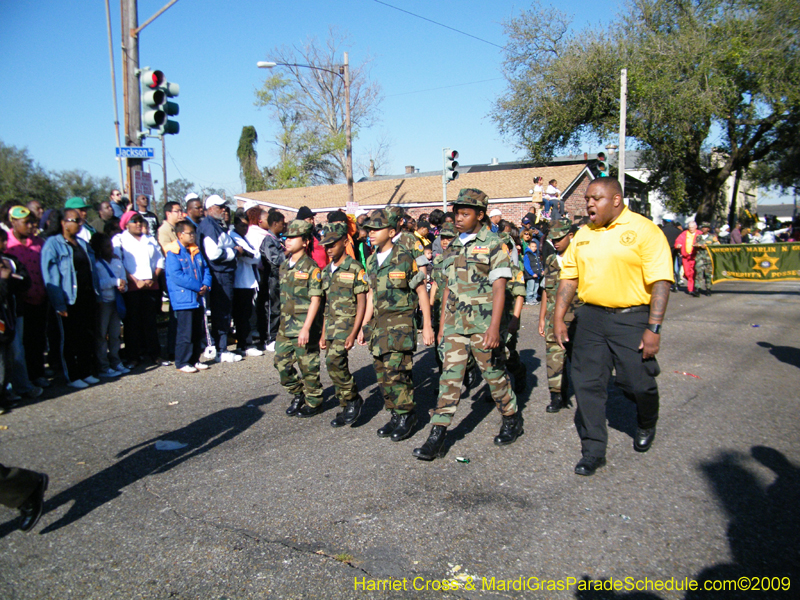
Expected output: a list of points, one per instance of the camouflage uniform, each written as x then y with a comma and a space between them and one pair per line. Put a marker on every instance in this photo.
514, 289
702, 261
471, 270
392, 333
299, 283
341, 290
406, 240
556, 356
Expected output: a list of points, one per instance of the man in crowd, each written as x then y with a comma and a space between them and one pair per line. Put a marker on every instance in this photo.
173, 214
118, 203
219, 252
143, 208
620, 266
273, 254
194, 209
495, 216
105, 214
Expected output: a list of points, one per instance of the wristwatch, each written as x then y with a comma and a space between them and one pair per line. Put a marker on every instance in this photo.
654, 327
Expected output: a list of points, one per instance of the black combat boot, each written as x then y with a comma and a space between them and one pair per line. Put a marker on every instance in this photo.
405, 425
353, 410
387, 429
556, 402
434, 445
307, 410
295, 405
510, 431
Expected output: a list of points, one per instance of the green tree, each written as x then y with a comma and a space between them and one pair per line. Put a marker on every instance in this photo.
77, 182
177, 190
23, 180
308, 105
247, 155
713, 88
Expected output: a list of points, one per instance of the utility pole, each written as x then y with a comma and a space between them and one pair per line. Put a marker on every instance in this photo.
164, 166
132, 99
623, 114
348, 132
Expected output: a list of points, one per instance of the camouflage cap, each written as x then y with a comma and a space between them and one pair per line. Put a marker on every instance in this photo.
333, 232
560, 228
298, 228
705, 224
472, 197
448, 230
381, 219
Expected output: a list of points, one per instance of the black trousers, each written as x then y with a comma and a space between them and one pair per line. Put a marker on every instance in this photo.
188, 335
78, 337
221, 306
242, 311
16, 485
34, 338
141, 327
268, 309
604, 340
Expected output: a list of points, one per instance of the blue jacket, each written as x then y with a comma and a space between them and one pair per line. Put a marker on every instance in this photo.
58, 271
533, 265
186, 274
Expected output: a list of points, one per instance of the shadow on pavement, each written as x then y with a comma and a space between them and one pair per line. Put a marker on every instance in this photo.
785, 354
143, 459
763, 532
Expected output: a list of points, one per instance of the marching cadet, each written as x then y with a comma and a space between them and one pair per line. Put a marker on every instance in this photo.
406, 240
446, 235
477, 266
512, 311
393, 277
557, 377
702, 261
301, 323
345, 287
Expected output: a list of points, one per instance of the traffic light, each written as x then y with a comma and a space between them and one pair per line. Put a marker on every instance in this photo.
450, 165
157, 108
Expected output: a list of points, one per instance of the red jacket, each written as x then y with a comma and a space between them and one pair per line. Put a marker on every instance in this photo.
681, 244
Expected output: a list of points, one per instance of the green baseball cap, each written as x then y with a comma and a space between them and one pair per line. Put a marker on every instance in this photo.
381, 219
448, 230
472, 197
705, 224
298, 228
76, 202
332, 233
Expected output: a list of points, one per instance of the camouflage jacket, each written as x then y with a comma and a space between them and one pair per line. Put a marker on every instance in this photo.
470, 271
515, 286
394, 300
702, 241
410, 243
551, 275
298, 285
341, 289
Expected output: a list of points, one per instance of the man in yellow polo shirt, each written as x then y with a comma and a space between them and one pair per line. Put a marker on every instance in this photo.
621, 267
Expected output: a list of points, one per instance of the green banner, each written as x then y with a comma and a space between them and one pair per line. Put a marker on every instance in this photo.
755, 262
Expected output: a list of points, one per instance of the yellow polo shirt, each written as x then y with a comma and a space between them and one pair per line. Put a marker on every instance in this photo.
617, 265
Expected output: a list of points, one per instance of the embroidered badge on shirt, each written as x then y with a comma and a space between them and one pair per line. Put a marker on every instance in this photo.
301, 275
628, 238
482, 250
317, 274
397, 275
362, 276
347, 276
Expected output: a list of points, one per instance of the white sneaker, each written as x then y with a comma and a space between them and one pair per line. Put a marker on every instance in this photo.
270, 347
188, 369
253, 352
200, 366
78, 384
121, 369
228, 357
110, 373
91, 379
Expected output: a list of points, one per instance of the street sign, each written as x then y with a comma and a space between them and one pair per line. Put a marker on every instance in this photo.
135, 152
142, 184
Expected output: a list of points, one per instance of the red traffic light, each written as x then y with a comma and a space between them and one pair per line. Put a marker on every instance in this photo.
152, 79
452, 155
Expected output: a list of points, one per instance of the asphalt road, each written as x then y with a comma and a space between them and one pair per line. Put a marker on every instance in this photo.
259, 505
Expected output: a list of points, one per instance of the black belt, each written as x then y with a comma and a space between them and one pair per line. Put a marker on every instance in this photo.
620, 311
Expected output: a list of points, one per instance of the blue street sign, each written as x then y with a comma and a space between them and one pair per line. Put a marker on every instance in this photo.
135, 152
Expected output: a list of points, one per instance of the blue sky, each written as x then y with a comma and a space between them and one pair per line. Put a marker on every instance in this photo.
57, 98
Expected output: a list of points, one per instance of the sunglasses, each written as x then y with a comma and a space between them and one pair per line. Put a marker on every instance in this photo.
78, 221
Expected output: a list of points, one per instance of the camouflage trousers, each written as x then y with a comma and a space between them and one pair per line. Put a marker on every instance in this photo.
287, 352
702, 275
339, 370
557, 376
393, 371
455, 352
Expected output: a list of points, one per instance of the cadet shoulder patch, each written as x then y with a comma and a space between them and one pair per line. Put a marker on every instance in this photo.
362, 276
418, 247
301, 275
317, 274
518, 277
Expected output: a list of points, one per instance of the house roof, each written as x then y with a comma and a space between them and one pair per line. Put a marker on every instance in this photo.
498, 183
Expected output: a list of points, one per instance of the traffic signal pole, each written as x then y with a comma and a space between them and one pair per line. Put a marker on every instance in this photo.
132, 99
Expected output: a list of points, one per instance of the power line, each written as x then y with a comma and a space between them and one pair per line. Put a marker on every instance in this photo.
444, 87
441, 24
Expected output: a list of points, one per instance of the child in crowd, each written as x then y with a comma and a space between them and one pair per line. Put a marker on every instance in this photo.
188, 280
301, 322
112, 281
533, 270
345, 287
